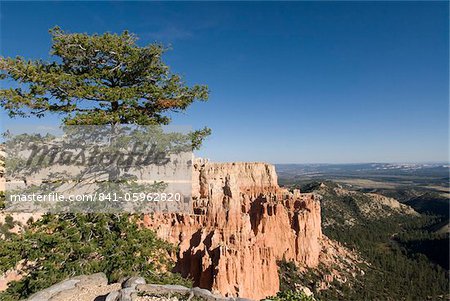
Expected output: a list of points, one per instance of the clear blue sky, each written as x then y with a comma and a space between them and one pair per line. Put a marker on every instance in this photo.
290, 82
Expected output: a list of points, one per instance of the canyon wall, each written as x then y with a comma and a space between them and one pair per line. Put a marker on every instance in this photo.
243, 223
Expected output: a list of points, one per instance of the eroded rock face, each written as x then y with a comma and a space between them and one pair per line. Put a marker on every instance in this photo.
243, 224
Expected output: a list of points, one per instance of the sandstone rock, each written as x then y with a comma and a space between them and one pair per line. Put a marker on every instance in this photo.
243, 223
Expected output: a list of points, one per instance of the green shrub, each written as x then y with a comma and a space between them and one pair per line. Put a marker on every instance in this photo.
59, 247
291, 296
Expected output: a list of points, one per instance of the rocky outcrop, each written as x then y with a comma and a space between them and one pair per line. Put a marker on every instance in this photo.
379, 202
243, 224
79, 288
95, 287
343, 206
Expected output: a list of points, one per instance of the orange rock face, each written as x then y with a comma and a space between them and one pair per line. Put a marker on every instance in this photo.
243, 223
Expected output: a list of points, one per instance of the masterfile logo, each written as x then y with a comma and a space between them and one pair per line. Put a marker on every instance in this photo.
111, 168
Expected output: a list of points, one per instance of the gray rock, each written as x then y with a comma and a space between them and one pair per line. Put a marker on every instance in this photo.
126, 294
162, 289
173, 289
98, 279
207, 295
113, 296
129, 292
123, 279
51, 291
191, 295
133, 282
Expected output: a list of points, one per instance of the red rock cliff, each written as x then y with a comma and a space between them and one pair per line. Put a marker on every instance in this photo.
243, 224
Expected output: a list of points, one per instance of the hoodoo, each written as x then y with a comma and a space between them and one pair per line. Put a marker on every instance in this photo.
243, 224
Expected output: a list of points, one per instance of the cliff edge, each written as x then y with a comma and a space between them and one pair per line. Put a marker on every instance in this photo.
243, 224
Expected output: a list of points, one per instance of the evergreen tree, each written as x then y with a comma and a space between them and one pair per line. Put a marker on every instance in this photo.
94, 79
98, 80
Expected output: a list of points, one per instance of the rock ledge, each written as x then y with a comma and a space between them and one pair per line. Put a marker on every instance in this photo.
95, 287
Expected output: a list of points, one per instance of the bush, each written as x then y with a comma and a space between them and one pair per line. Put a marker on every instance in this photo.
291, 296
58, 247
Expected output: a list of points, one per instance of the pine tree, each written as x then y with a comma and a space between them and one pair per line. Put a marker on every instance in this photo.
94, 79
99, 80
